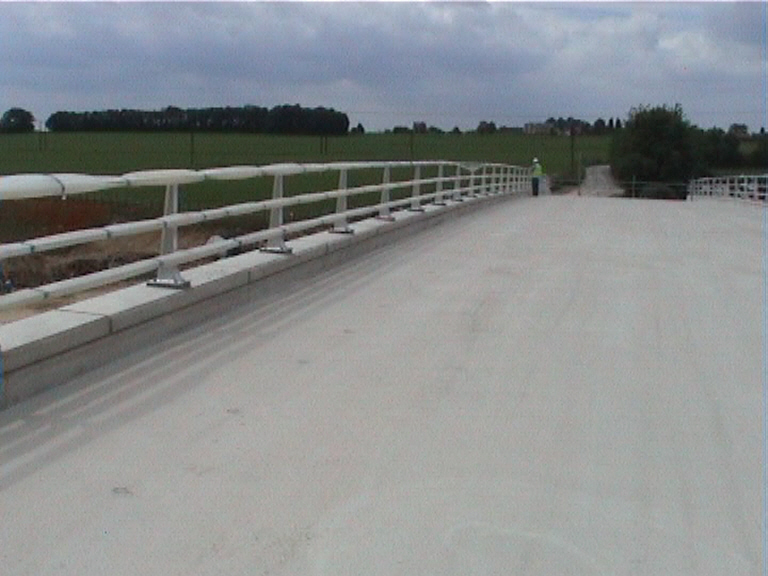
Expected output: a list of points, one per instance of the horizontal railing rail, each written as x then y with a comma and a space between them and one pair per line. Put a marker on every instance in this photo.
753, 187
454, 182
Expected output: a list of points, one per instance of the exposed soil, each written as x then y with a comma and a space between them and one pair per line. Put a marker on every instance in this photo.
53, 216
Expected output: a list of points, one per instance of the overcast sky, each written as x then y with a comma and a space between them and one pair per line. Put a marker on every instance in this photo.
384, 64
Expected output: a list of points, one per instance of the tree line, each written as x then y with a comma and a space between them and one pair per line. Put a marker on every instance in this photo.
284, 119
659, 145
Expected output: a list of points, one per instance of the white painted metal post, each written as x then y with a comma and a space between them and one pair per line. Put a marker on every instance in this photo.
415, 204
457, 185
515, 180
169, 240
384, 212
492, 183
169, 276
341, 226
277, 245
439, 200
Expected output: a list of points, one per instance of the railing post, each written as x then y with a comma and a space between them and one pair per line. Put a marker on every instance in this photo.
522, 180
457, 185
169, 276
415, 203
169, 240
384, 211
277, 245
492, 180
515, 180
439, 200
341, 226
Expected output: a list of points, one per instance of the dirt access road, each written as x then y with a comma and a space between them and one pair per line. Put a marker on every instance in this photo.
599, 181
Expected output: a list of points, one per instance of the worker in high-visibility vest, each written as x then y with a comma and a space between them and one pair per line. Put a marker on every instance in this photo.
537, 172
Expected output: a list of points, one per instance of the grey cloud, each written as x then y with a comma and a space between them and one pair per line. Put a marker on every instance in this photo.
455, 62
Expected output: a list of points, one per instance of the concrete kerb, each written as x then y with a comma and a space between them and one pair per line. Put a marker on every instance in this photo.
52, 348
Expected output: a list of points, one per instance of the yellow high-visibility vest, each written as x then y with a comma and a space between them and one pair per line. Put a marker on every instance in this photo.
537, 170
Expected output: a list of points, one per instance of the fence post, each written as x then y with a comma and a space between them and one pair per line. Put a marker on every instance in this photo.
277, 245
491, 180
169, 276
457, 185
384, 212
415, 204
439, 201
341, 226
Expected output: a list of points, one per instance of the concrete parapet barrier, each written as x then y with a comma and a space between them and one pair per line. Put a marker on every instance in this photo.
54, 347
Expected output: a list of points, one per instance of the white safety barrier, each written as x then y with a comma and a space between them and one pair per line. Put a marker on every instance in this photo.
740, 187
454, 182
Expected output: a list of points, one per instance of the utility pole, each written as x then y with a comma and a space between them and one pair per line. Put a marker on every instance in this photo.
578, 176
573, 157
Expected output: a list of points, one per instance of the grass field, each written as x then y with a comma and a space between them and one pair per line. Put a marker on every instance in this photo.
118, 153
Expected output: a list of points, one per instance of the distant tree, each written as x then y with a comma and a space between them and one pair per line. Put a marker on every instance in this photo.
486, 127
419, 127
759, 156
611, 125
285, 119
455, 130
715, 148
358, 129
739, 130
17, 121
435, 130
618, 123
656, 145
600, 127
401, 130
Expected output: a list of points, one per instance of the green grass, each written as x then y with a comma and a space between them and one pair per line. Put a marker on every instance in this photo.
119, 153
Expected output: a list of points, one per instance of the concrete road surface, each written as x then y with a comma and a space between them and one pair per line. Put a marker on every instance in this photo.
559, 385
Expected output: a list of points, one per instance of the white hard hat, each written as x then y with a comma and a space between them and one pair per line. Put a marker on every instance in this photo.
535, 159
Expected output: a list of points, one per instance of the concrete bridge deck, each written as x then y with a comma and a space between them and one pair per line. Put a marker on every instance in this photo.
556, 385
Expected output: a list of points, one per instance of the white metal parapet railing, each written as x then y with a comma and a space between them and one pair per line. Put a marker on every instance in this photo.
741, 187
454, 182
